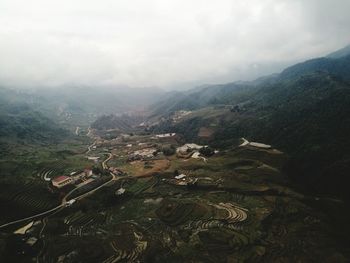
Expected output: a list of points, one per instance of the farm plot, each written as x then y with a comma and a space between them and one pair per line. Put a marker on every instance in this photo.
52, 170
73, 249
141, 185
83, 223
197, 215
144, 169
128, 245
26, 199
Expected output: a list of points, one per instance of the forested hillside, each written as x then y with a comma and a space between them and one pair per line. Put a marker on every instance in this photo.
305, 111
19, 123
123, 123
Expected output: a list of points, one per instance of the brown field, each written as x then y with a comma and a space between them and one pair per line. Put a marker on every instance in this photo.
205, 132
137, 168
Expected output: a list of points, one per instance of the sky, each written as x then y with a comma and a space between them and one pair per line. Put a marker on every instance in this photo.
162, 43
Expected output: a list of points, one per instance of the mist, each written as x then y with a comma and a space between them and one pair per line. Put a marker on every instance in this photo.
162, 43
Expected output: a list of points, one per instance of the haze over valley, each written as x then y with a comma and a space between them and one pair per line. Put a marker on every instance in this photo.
174, 131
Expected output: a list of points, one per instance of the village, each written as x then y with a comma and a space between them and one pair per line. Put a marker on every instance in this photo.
139, 156
162, 173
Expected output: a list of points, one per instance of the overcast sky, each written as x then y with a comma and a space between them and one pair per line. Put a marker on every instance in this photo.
163, 43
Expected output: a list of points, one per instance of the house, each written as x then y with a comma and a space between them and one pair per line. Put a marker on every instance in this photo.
71, 202
88, 172
61, 181
120, 191
181, 176
82, 175
165, 135
188, 147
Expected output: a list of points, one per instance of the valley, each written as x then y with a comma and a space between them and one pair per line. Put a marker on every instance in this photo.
151, 198
252, 171
187, 131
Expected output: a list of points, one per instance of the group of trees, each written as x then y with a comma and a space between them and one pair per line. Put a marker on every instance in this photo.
168, 150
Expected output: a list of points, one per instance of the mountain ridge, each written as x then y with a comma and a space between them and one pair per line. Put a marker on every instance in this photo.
298, 111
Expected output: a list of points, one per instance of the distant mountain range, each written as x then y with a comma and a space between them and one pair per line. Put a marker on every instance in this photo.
336, 64
45, 115
304, 110
21, 123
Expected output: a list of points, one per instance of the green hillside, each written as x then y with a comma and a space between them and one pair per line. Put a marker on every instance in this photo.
20, 123
304, 111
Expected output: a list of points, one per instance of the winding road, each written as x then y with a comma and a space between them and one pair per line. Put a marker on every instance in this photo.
64, 201
104, 164
33, 217
89, 147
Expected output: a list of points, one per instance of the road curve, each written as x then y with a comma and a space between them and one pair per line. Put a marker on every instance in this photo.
104, 164
32, 217
64, 200
89, 147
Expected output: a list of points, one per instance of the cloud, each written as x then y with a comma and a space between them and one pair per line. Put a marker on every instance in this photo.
162, 42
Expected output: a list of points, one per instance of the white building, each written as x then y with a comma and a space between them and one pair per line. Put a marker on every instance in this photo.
61, 181
165, 135
188, 147
180, 176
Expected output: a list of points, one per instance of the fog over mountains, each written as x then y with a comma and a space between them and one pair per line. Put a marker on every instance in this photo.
168, 44
174, 131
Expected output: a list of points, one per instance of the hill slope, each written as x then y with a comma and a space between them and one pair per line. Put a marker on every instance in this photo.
304, 111
20, 123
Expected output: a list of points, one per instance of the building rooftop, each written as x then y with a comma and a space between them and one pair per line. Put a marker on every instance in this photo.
60, 178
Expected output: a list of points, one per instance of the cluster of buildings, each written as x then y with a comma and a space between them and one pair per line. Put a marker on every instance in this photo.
64, 180
188, 147
116, 171
142, 154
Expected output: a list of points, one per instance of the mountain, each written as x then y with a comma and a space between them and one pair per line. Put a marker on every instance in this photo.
196, 99
340, 53
304, 111
20, 123
337, 66
79, 106
123, 123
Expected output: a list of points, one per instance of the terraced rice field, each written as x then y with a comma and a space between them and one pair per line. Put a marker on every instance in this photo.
129, 256
80, 222
142, 185
53, 170
28, 199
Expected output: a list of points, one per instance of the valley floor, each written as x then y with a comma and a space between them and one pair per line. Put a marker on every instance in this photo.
140, 205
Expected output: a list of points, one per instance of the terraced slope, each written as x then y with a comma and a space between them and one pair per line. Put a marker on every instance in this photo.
235, 206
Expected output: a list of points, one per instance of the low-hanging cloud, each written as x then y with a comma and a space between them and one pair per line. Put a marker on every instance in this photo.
162, 42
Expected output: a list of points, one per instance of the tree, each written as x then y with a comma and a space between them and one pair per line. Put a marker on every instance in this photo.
206, 151
170, 150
